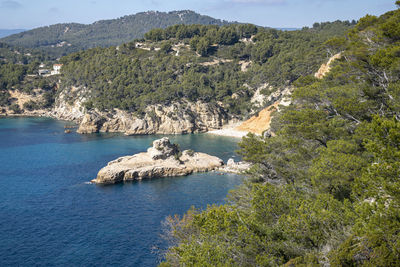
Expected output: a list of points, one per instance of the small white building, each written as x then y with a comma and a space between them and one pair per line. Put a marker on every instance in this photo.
43, 72
56, 69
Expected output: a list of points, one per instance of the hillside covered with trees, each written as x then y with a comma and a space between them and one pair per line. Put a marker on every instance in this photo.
197, 62
325, 189
60, 39
18, 71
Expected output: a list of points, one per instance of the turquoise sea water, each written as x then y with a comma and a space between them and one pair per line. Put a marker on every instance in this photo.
51, 216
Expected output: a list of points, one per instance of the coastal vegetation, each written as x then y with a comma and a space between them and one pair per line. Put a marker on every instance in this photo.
322, 190
19, 71
325, 189
192, 62
197, 62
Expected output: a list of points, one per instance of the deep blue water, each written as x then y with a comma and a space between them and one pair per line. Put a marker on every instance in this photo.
50, 216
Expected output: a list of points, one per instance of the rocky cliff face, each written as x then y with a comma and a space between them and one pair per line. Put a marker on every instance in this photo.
161, 160
176, 118
69, 104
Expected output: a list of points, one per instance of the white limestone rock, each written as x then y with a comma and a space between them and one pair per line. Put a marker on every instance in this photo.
161, 160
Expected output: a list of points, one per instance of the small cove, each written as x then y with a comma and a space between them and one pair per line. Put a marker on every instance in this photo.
50, 215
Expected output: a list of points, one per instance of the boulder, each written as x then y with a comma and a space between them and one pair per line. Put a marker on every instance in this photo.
162, 149
91, 123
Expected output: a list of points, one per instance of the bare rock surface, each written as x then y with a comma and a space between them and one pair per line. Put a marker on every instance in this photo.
90, 124
176, 118
161, 160
235, 167
325, 68
69, 104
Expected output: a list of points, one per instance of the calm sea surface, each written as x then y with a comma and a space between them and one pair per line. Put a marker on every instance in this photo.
49, 215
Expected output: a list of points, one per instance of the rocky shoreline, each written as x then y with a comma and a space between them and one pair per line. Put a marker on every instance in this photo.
178, 117
163, 159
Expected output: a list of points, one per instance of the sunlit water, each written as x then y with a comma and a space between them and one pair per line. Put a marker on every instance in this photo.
50, 215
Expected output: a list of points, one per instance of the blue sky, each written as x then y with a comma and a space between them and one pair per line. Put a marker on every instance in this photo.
28, 14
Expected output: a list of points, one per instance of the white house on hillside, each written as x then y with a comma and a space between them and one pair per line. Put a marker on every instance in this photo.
43, 72
56, 69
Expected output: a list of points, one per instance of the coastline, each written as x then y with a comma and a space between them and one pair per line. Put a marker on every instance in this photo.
33, 113
66, 164
229, 130
40, 115
27, 116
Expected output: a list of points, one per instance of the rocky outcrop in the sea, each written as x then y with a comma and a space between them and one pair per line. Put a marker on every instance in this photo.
91, 123
176, 118
161, 160
235, 167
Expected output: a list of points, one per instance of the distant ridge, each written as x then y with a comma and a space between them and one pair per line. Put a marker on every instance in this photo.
7, 32
61, 39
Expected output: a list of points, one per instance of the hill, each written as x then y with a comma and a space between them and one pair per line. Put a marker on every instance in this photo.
207, 75
324, 188
197, 63
61, 39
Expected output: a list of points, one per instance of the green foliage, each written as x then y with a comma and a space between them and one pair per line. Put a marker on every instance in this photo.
376, 232
18, 55
4, 98
336, 44
11, 75
226, 35
18, 67
283, 57
48, 99
190, 152
30, 105
276, 225
15, 108
165, 47
202, 46
132, 78
336, 168
325, 190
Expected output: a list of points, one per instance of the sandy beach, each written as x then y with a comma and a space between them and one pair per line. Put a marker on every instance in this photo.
230, 130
